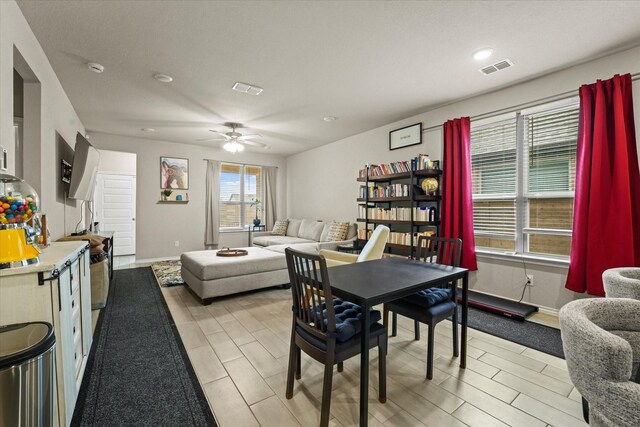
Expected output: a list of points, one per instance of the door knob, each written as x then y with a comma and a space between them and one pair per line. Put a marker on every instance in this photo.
133, 219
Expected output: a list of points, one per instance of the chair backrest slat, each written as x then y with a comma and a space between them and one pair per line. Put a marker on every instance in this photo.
441, 250
311, 293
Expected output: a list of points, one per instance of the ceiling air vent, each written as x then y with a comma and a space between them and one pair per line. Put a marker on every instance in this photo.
247, 88
498, 66
488, 70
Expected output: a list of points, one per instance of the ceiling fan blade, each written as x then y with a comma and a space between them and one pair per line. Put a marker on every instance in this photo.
220, 133
250, 136
253, 143
211, 139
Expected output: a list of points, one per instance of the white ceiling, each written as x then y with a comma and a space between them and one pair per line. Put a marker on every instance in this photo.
368, 63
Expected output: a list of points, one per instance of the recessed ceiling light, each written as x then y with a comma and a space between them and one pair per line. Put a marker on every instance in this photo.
95, 67
330, 119
148, 130
164, 78
483, 53
247, 88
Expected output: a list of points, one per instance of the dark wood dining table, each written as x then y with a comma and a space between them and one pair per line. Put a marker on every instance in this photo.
375, 282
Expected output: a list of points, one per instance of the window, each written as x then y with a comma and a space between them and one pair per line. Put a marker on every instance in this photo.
493, 178
240, 186
523, 179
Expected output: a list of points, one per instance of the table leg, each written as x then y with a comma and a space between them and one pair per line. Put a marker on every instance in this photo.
465, 310
364, 368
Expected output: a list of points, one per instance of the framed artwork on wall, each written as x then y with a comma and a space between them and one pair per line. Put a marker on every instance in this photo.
174, 173
405, 137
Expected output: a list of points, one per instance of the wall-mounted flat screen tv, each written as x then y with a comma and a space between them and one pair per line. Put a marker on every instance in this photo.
85, 169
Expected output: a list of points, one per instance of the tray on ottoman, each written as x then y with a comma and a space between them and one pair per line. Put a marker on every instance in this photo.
210, 276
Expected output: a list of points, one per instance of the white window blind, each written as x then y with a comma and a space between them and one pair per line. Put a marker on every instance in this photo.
493, 171
550, 145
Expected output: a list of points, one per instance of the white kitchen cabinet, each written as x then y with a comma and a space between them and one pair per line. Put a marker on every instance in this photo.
57, 290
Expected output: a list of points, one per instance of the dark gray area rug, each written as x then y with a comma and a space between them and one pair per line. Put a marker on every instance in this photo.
138, 372
539, 337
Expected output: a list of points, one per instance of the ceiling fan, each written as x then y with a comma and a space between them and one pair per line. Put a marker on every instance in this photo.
234, 141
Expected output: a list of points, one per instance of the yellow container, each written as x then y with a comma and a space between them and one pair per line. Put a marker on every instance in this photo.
14, 249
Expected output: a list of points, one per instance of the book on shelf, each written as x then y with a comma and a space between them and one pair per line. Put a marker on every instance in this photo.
396, 238
381, 191
420, 162
397, 213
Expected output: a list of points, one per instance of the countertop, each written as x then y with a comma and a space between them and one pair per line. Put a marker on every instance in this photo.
52, 257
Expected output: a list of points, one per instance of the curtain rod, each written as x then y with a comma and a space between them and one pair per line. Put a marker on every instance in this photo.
240, 164
530, 104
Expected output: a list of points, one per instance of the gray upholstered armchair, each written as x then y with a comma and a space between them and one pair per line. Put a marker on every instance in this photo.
599, 337
622, 282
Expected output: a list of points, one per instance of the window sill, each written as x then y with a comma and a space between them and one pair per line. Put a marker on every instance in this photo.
528, 258
234, 230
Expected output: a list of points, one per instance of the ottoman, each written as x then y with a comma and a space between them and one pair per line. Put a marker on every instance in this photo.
210, 276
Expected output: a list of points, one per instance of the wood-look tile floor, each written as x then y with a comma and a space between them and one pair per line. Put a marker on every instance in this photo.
239, 349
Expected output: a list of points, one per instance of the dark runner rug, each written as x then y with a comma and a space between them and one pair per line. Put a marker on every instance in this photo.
534, 335
138, 372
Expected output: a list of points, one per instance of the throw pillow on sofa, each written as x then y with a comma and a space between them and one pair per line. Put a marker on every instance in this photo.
311, 230
280, 227
294, 227
338, 231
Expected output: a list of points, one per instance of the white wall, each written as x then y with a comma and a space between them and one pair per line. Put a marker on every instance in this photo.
159, 225
321, 183
117, 162
56, 115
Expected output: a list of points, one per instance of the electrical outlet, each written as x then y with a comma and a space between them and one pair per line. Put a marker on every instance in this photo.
530, 279
177, 243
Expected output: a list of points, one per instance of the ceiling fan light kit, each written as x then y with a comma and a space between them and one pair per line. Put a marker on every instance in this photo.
233, 146
235, 141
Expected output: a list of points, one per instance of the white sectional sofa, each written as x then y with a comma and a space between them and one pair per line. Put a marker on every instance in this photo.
210, 276
305, 235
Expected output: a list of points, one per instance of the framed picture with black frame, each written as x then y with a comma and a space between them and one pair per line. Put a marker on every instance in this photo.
405, 137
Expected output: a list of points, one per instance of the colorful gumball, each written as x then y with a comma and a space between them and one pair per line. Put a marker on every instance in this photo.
18, 201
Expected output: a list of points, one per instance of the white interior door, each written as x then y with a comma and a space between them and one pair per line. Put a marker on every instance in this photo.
115, 209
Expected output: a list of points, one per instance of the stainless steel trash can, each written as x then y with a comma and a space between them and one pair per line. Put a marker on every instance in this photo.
27, 367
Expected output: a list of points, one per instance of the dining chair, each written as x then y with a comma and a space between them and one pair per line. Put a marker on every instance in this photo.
326, 329
432, 305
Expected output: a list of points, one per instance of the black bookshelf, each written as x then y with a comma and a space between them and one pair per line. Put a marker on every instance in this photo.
411, 200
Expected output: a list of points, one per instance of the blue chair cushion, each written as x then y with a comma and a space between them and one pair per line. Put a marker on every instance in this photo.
348, 318
429, 297
375, 331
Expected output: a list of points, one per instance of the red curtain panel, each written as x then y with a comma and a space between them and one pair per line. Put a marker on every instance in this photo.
457, 205
606, 220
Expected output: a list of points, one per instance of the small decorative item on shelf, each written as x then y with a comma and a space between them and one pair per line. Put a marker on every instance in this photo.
179, 197
436, 165
429, 185
166, 193
256, 203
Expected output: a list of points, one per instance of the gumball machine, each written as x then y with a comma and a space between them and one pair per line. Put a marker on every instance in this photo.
18, 204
